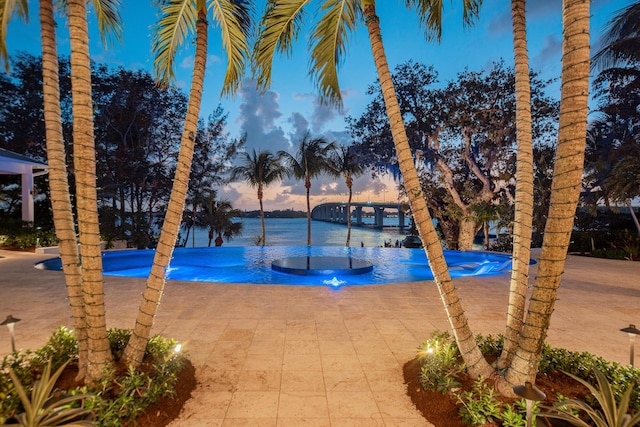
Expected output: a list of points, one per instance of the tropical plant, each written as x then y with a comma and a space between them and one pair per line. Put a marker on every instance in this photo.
312, 158
609, 414
278, 29
259, 170
621, 41
178, 19
217, 218
44, 408
347, 163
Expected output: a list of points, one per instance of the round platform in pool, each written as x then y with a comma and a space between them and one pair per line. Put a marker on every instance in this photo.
321, 265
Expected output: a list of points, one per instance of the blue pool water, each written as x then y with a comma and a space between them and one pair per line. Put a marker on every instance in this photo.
252, 264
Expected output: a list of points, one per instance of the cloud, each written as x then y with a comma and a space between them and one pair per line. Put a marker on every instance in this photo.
550, 53
258, 119
300, 127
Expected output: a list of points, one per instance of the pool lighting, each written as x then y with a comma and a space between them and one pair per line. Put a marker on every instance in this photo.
632, 331
9, 322
334, 282
177, 348
529, 393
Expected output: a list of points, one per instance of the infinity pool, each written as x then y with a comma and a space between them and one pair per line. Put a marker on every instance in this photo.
252, 264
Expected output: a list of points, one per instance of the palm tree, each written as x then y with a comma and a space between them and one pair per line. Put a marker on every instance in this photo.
565, 190
260, 170
279, 27
99, 356
178, 19
312, 158
523, 215
345, 163
621, 42
217, 218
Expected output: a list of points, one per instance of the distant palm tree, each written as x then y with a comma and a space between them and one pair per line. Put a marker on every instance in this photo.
621, 41
346, 163
312, 158
217, 218
260, 169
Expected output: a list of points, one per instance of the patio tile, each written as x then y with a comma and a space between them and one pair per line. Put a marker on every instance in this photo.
302, 405
253, 404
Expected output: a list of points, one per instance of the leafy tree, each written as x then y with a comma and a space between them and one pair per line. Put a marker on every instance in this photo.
259, 170
179, 18
462, 134
312, 158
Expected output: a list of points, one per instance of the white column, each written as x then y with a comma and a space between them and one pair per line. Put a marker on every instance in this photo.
27, 196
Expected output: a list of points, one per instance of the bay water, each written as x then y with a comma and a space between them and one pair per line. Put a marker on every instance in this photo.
293, 232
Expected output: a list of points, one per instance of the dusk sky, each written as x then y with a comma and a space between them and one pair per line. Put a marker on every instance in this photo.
276, 120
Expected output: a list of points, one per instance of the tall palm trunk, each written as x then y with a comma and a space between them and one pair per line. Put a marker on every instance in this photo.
166, 244
260, 196
307, 184
59, 182
349, 182
524, 187
565, 189
473, 358
99, 356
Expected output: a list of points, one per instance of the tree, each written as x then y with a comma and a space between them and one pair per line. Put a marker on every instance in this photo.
178, 19
523, 215
312, 158
463, 136
621, 42
259, 170
347, 163
277, 30
217, 218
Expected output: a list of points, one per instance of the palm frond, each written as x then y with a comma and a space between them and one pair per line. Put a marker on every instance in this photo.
109, 20
278, 30
620, 39
430, 15
177, 20
234, 18
330, 38
7, 9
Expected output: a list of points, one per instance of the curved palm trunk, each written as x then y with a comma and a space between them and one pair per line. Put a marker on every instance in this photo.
166, 244
260, 196
524, 188
476, 364
565, 189
59, 182
99, 356
349, 182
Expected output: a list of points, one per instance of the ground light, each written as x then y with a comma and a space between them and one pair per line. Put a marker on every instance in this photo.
632, 331
529, 393
9, 322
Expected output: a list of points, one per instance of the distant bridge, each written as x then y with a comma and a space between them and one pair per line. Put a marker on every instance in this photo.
337, 212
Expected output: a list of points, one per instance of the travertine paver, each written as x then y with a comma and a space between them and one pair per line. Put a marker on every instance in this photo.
270, 355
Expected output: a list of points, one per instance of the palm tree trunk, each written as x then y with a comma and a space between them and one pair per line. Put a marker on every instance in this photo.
260, 195
166, 244
524, 187
476, 364
565, 189
349, 186
307, 184
99, 356
59, 182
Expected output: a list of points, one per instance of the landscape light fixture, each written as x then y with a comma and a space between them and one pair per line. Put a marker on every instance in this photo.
9, 322
632, 331
529, 393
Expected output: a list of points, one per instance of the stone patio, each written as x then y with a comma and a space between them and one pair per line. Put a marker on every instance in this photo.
271, 355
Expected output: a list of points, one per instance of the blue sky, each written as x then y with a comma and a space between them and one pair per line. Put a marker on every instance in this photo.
277, 119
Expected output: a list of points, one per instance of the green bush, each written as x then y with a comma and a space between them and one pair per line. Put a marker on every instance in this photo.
119, 398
